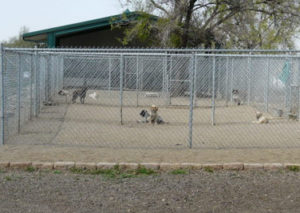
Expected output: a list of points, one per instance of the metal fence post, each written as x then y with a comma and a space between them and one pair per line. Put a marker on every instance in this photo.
137, 80
231, 80
298, 89
109, 74
19, 86
170, 79
267, 86
227, 81
32, 73
213, 92
165, 79
195, 79
37, 82
192, 87
249, 79
121, 87
2, 93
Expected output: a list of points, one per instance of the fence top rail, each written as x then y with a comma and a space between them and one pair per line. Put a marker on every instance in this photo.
155, 50
141, 54
248, 55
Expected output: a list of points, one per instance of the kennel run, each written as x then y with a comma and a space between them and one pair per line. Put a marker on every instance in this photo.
192, 88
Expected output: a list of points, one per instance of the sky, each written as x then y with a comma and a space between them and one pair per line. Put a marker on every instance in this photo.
42, 14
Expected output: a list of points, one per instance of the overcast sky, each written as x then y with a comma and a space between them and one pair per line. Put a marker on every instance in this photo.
42, 14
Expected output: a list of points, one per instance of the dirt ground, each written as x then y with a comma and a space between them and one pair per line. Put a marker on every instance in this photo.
201, 191
92, 133
97, 123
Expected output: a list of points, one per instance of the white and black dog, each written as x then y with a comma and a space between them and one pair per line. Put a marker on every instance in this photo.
153, 116
236, 97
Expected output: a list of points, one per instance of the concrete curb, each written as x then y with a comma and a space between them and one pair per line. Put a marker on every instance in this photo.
65, 165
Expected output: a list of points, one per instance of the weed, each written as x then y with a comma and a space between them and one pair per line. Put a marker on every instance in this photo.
127, 175
179, 172
144, 171
208, 169
294, 168
114, 172
78, 170
8, 178
57, 172
30, 169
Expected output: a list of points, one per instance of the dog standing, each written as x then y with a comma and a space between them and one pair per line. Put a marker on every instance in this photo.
81, 93
236, 97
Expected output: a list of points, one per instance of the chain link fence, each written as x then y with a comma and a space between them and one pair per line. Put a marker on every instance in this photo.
205, 98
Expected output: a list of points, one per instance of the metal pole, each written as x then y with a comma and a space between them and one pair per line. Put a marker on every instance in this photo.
227, 81
165, 79
31, 86
121, 87
2, 93
137, 80
109, 74
249, 80
290, 82
170, 80
37, 88
192, 84
213, 92
298, 89
19, 86
195, 79
231, 79
267, 86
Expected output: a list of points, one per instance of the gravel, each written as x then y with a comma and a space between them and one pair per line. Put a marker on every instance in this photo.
195, 191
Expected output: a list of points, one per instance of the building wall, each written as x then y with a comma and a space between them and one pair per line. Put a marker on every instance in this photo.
94, 38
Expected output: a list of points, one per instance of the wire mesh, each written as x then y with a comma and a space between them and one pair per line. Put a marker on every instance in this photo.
105, 98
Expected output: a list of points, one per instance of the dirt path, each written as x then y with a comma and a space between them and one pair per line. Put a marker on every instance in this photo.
220, 191
94, 154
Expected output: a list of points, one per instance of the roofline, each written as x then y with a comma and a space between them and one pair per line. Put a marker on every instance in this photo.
95, 23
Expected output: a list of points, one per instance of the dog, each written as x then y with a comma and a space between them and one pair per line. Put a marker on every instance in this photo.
153, 114
151, 117
236, 97
145, 115
63, 92
261, 119
81, 92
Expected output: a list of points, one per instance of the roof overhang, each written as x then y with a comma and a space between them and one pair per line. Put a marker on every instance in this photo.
49, 35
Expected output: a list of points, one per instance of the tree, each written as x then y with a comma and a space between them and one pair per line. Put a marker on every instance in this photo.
223, 23
17, 41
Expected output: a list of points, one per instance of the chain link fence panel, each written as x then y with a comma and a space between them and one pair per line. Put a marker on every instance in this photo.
104, 98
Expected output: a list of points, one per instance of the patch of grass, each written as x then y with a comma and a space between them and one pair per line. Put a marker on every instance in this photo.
127, 175
57, 172
294, 168
8, 178
179, 172
115, 172
30, 169
144, 171
78, 170
208, 169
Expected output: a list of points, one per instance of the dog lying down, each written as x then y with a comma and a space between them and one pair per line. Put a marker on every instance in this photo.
151, 117
261, 119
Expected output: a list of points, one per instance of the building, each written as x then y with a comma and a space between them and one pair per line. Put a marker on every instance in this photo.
93, 33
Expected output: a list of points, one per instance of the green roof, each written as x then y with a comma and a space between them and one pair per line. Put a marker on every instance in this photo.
49, 35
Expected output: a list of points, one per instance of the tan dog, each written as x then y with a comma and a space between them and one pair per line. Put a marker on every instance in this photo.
153, 114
